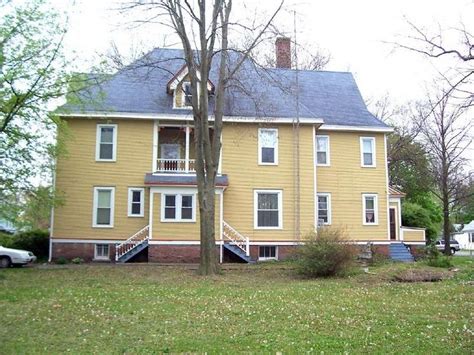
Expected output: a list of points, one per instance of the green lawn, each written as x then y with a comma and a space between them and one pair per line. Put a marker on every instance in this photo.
149, 308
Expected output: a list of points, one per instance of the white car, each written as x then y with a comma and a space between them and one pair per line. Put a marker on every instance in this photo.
10, 257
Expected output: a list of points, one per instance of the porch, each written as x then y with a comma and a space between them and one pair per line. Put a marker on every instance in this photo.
174, 149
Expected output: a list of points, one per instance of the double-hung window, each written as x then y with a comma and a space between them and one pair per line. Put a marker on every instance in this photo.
106, 142
267, 252
322, 150
136, 201
187, 95
178, 208
324, 208
103, 215
268, 209
268, 146
370, 209
367, 151
102, 252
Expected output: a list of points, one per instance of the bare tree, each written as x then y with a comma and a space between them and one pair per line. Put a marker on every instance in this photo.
203, 30
433, 45
446, 134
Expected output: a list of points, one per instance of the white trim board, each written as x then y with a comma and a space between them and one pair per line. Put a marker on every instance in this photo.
85, 241
190, 117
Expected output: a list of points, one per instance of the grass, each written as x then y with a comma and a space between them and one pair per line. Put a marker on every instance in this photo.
155, 309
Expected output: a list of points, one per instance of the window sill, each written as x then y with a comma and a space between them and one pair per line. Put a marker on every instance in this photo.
136, 216
368, 166
268, 228
106, 160
178, 221
370, 224
268, 164
267, 259
101, 226
101, 259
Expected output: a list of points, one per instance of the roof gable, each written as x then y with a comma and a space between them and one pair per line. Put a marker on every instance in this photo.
181, 75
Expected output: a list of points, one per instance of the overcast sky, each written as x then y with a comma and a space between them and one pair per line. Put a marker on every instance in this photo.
353, 32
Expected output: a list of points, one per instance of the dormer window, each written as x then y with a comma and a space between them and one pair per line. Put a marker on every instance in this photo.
180, 87
187, 95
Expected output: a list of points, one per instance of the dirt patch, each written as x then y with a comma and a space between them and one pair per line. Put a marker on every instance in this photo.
421, 276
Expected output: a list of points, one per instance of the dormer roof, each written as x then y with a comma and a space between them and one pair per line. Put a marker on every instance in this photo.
180, 76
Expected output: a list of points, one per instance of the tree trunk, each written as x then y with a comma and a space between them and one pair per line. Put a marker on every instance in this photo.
208, 252
446, 224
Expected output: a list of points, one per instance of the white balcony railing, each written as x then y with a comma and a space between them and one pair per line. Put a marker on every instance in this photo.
175, 166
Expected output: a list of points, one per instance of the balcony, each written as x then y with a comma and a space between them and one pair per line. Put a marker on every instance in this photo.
175, 166
174, 151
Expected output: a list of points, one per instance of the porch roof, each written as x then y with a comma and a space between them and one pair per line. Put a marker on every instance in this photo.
180, 180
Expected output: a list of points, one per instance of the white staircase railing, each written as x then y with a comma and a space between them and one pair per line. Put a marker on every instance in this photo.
138, 238
236, 238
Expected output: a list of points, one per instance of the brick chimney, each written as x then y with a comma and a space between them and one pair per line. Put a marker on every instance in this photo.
283, 52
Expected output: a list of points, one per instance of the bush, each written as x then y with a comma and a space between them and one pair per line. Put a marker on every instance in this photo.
61, 260
36, 241
6, 240
325, 253
416, 215
77, 261
436, 259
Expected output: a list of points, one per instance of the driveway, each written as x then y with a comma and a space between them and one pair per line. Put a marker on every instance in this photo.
465, 253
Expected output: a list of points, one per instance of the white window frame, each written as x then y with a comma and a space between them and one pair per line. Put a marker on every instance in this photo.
268, 258
178, 201
131, 190
100, 257
183, 106
260, 146
328, 196
186, 83
374, 155
328, 155
95, 205
376, 209
280, 208
114, 142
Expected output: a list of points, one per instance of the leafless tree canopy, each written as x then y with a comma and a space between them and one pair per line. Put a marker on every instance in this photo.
446, 135
460, 79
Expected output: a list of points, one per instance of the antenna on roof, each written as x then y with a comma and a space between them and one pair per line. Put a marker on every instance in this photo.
296, 142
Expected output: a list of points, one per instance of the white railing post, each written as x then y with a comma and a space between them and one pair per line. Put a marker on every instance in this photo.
247, 242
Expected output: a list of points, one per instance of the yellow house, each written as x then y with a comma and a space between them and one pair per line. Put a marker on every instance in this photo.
288, 164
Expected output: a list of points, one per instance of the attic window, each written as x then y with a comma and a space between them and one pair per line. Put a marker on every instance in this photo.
187, 95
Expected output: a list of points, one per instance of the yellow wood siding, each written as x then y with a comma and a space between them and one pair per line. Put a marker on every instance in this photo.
179, 230
240, 162
78, 173
413, 235
346, 180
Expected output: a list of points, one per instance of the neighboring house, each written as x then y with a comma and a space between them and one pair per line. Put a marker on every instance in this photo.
129, 171
465, 238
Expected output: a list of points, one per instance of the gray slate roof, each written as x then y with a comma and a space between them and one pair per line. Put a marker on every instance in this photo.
256, 92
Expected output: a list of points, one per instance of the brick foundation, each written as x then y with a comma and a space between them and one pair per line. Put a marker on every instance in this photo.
79, 250
184, 253
284, 251
381, 249
174, 253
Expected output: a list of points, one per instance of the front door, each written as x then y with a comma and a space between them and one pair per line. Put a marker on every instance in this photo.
393, 225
